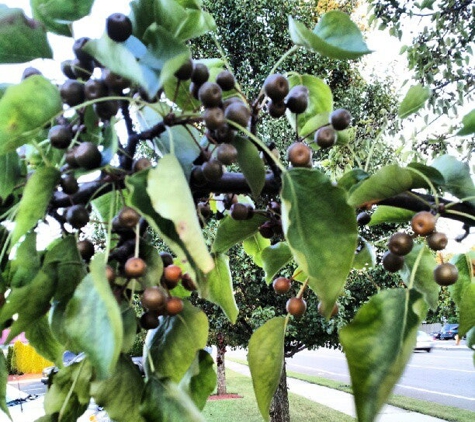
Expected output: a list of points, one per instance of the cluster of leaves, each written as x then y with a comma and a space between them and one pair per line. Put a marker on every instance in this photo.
62, 301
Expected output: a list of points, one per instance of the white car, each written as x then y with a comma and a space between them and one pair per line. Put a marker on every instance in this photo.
424, 341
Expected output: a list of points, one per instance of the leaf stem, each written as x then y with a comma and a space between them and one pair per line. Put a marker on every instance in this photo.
414, 269
70, 392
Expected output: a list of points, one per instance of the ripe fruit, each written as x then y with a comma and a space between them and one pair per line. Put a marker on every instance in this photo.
210, 94
72, 92
78, 51
188, 283
174, 306
214, 118
185, 71
135, 267
240, 211
266, 230
363, 218
238, 113
154, 298
400, 243
141, 164
66, 68
321, 309
423, 223
149, 320
200, 74
297, 99
30, 71
276, 87
86, 249
128, 217
437, 241
225, 80
340, 119
94, 89
296, 306
69, 184
88, 156
212, 170
226, 153
392, 262
105, 110
115, 82
172, 275
276, 109
224, 133
82, 69
282, 285
325, 137
60, 136
446, 274
167, 259
118, 27
299, 155
77, 216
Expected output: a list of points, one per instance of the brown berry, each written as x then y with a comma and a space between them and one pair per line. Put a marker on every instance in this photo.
446, 274
296, 306
321, 309
135, 267
299, 155
423, 223
400, 243
172, 275
392, 262
437, 241
282, 285
154, 298
174, 306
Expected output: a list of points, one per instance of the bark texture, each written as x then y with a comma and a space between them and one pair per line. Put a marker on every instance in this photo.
221, 371
279, 407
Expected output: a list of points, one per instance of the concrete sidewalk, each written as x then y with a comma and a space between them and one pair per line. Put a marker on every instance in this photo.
339, 400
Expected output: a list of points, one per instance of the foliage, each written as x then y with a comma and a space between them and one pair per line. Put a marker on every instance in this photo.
69, 297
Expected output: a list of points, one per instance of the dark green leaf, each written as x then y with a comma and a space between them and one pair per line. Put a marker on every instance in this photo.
41, 338
414, 100
129, 323
424, 275
254, 245
120, 394
103, 206
468, 122
154, 263
251, 164
21, 39
334, 36
219, 287
463, 262
200, 379
163, 401
322, 241
230, 231
467, 310
3, 385
93, 319
173, 345
430, 172
398, 312
10, 173
19, 111
385, 214
266, 359
26, 264
275, 257
352, 178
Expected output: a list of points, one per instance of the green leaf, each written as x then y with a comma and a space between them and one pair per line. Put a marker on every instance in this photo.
58, 15
463, 262
129, 323
467, 310
21, 39
219, 287
93, 319
164, 401
254, 245
19, 111
458, 180
121, 393
173, 345
385, 214
414, 100
3, 385
108, 205
468, 122
251, 164
41, 338
274, 258
424, 276
154, 263
385, 183
10, 173
36, 196
230, 231
26, 264
200, 379
365, 256
309, 201
171, 198
376, 361
352, 178
334, 36
266, 360
431, 173
320, 104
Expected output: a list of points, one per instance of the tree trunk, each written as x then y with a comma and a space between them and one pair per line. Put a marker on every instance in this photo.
221, 347
279, 407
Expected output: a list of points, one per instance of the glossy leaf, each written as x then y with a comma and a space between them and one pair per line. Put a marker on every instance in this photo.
173, 345
219, 287
458, 180
468, 124
274, 258
424, 275
251, 164
164, 401
254, 245
120, 394
266, 360
3, 385
41, 338
365, 256
171, 198
21, 39
230, 231
397, 311
200, 379
58, 15
19, 111
93, 319
10, 173
334, 36
463, 262
414, 100
385, 214
307, 219
467, 310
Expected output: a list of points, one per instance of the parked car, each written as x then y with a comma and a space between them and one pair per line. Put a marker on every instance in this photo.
435, 335
449, 331
424, 341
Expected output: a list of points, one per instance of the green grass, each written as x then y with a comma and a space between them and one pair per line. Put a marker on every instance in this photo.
245, 409
436, 410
